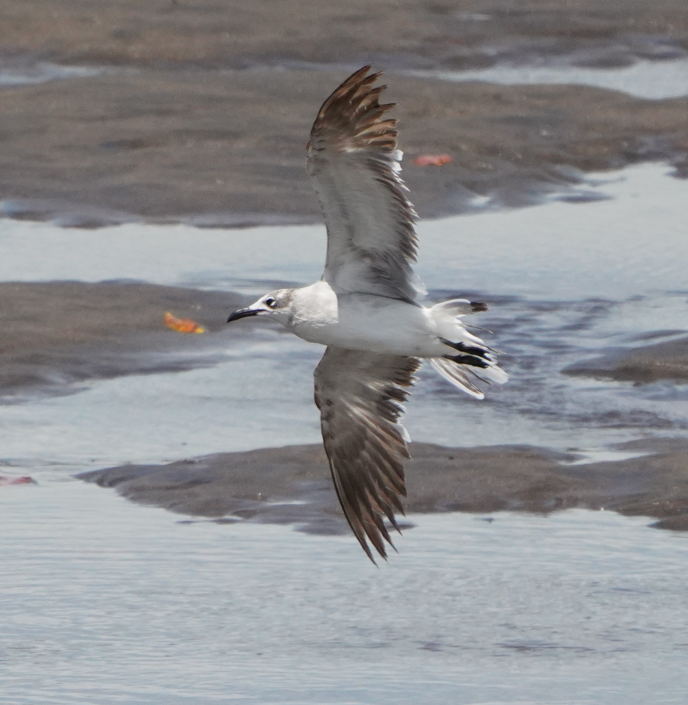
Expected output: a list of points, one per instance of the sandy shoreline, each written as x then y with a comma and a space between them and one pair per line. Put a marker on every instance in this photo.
292, 485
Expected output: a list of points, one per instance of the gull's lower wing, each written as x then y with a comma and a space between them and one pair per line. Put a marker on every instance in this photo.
353, 161
360, 396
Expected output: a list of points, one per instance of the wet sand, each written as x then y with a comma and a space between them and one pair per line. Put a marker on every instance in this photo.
57, 334
649, 363
292, 485
229, 149
204, 32
196, 119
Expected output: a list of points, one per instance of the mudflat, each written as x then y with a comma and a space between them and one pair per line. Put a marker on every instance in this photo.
202, 115
210, 33
292, 485
56, 334
647, 363
198, 114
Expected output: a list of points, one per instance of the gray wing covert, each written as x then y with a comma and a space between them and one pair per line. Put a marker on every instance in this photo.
353, 161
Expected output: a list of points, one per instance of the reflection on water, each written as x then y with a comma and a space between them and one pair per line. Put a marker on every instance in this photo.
120, 603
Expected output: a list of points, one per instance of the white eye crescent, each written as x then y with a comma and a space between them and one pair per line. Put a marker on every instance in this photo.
270, 302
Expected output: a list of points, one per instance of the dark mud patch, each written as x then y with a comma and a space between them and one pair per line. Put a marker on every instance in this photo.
292, 485
56, 334
228, 149
650, 363
201, 115
438, 33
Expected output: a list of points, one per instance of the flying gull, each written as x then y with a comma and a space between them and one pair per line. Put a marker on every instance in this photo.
367, 309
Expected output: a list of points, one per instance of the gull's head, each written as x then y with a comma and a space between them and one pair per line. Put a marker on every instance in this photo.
275, 303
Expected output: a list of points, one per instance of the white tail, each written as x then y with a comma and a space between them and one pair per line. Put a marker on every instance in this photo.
447, 317
453, 373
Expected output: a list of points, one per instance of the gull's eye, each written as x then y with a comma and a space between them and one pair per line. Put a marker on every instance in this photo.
270, 302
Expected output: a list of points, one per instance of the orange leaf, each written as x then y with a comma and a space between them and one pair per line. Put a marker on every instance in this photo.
182, 325
433, 160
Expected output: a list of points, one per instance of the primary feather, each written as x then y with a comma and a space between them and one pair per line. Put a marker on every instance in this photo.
353, 162
360, 396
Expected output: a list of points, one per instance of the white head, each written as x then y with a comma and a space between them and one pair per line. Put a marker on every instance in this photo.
275, 303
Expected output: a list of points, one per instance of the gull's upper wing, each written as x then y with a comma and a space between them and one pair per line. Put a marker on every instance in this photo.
360, 396
354, 163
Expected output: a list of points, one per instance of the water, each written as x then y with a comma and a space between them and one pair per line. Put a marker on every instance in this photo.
123, 604
46, 71
651, 80
569, 279
103, 601
558, 251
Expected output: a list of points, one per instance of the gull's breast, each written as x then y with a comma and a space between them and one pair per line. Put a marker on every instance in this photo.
365, 322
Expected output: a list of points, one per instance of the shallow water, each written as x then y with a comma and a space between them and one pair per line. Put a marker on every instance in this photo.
629, 240
566, 279
46, 71
648, 79
123, 604
104, 601
651, 80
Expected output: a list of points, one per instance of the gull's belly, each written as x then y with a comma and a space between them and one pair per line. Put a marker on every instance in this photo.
376, 324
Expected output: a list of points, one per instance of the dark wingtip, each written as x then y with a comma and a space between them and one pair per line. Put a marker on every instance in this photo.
478, 306
369, 553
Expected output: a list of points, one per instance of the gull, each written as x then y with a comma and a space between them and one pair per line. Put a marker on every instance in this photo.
367, 310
